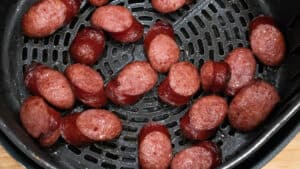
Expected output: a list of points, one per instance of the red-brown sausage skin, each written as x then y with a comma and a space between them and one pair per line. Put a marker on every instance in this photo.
87, 84
71, 133
214, 76
252, 105
160, 46
98, 2
133, 81
181, 84
267, 42
119, 22
205, 115
52, 85
204, 155
90, 126
73, 7
88, 46
167, 6
155, 149
242, 67
40, 120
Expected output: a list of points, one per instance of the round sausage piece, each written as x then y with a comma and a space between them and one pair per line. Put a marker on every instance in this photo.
243, 66
214, 76
52, 85
98, 2
112, 18
181, 84
44, 18
267, 41
87, 84
73, 7
252, 105
40, 120
99, 124
167, 6
155, 148
134, 80
88, 46
204, 155
205, 115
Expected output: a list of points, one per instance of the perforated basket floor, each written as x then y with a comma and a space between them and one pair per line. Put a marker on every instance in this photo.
204, 30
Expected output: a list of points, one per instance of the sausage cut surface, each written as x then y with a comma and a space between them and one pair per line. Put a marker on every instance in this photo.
167, 6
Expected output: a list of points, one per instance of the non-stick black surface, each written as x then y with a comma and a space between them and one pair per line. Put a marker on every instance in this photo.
205, 29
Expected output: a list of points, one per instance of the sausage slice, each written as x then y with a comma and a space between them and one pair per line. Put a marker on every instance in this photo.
87, 84
205, 115
167, 6
181, 84
155, 149
98, 2
40, 120
252, 105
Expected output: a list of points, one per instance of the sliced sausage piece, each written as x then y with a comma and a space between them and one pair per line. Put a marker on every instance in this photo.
161, 47
252, 104
99, 125
73, 7
267, 41
71, 133
40, 120
155, 148
243, 66
180, 85
87, 84
214, 76
98, 2
52, 85
205, 115
119, 22
167, 6
134, 80
204, 155
88, 46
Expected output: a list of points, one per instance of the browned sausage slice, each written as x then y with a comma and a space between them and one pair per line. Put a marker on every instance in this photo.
134, 80
155, 149
252, 104
181, 84
44, 18
267, 42
40, 120
88, 46
87, 84
167, 6
99, 125
243, 66
204, 155
73, 7
98, 2
205, 115
52, 85
161, 47
214, 76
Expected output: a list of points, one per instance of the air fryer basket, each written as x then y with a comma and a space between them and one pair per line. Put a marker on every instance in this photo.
205, 29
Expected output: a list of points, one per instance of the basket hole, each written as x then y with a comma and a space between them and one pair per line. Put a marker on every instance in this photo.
90, 159
128, 149
130, 139
139, 119
236, 33
229, 16
73, 22
230, 47
224, 125
219, 143
206, 15
170, 17
243, 21
221, 49
231, 131
126, 168
160, 117
185, 33
260, 68
220, 3
110, 145
211, 54
240, 45
34, 54
74, 149
67, 39
221, 21
112, 156
88, 17
55, 55
138, 9
201, 62
191, 48
235, 8
45, 55
36, 41
84, 8
124, 57
95, 149
193, 28
46, 41
65, 57
200, 45
108, 68
178, 132
178, 40
192, 60
24, 53
216, 31
129, 128
128, 159
208, 38
212, 8
244, 4
25, 39
183, 142
250, 15
171, 125
199, 21
227, 36
56, 40
108, 165
145, 18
